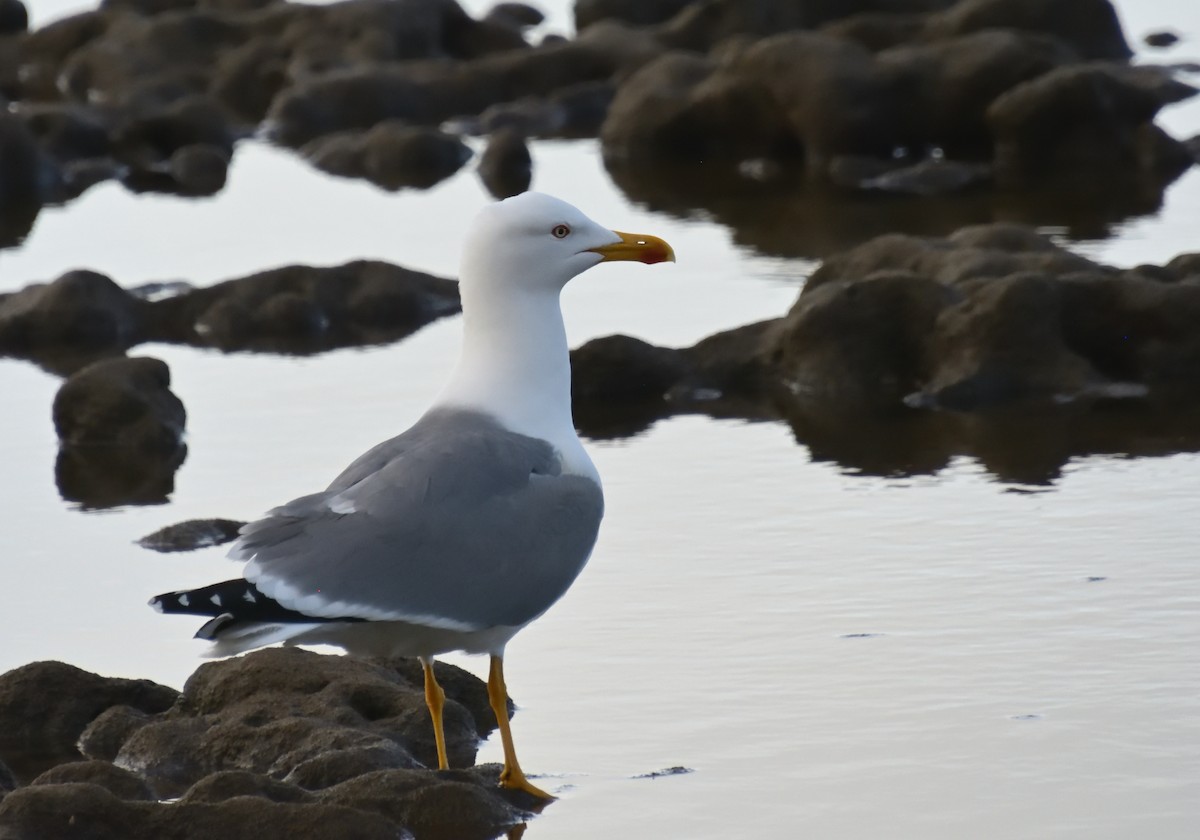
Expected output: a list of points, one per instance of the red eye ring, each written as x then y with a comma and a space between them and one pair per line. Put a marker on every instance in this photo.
560, 231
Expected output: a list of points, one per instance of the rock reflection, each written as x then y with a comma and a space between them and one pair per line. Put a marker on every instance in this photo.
99, 477
1020, 445
783, 215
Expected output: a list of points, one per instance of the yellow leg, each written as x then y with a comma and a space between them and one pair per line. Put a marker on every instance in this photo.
435, 699
511, 776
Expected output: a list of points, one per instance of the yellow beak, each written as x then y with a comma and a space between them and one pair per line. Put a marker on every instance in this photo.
636, 246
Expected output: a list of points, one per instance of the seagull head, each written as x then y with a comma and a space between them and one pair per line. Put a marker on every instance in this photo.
537, 242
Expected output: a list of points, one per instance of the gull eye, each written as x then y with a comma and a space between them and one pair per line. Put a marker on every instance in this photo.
560, 231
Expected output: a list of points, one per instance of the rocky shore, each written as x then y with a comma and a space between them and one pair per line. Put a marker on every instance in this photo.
280, 743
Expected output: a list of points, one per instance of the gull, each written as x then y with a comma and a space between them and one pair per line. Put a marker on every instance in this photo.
468, 526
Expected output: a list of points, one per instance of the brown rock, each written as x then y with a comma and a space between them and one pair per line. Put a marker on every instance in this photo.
505, 167
116, 780
125, 402
45, 706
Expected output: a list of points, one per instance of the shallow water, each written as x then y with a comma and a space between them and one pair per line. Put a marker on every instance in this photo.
831, 653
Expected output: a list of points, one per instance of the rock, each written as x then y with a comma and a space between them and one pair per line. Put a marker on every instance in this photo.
459, 805
303, 308
14, 18
392, 155
45, 706
191, 535
515, 15
77, 811
431, 93
8, 782
123, 402
506, 168
877, 31
573, 111
103, 737
82, 309
120, 783
1079, 120
635, 12
1161, 39
26, 175
1091, 27
198, 169
228, 784
701, 26
295, 715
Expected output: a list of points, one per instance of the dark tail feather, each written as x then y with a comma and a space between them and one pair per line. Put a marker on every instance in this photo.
232, 602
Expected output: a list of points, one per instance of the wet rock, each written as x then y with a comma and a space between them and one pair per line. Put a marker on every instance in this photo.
1162, 39
505, 167
8, 781
45, 706
26, 175
198, 169
123, 402
992, 316
636, 12
77, 811
103, 737
392, 155
435, 807
228, 784
191, 535
81, 308
294, 715
877, 31
1091, 27
155, 136
120, 783
14, 18
303, 308
515, 15
571, 112
1083, 119
431, 93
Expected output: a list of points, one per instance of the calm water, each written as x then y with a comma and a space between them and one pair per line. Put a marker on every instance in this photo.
834, 655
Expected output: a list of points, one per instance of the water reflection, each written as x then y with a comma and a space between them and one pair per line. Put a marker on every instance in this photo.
786, 216
1018, 445
97, 477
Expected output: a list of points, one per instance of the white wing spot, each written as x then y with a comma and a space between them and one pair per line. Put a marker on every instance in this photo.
340, 504
216, 599
249, 596
183, 600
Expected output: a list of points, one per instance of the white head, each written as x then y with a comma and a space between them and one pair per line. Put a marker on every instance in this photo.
536, 242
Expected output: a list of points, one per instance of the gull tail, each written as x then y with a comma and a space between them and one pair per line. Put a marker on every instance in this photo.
242, 617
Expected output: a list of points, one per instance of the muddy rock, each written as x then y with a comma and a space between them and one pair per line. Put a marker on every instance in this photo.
14, 17
1161, 40
192, 534
515, 15
27, 176
75, 811
635, 12
433, 92
45, 706
1085, 119
458, 805
994, 316
117, 781
505, 167
294, 715
300, 308
1091, 27
82, 309
123, 402
228, 784
392, 155
103, 737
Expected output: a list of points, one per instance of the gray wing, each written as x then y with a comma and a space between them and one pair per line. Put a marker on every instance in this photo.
457, 523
